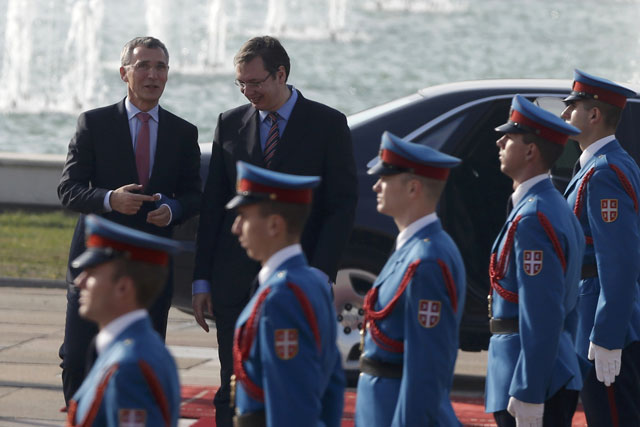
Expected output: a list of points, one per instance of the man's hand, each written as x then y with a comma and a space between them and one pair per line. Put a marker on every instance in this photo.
526, 414
607, 363
201, 304
124, 201
159, 217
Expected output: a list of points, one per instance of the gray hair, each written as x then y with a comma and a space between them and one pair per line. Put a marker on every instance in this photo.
148, 42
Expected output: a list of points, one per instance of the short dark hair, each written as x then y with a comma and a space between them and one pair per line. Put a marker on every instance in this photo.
610, 113
549, 151
148, 42
148, 279
269, 49
294, 214
432, 188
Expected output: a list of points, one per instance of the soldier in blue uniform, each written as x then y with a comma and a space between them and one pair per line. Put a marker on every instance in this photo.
533, 374
413, 310
134, 380
287, 368
604, 196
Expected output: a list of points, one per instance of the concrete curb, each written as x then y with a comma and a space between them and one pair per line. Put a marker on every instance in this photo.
32, 283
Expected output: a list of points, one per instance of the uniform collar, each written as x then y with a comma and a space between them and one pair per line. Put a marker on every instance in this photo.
524, 187
413, 228
132, 110
276, 260
591, 150
115, 328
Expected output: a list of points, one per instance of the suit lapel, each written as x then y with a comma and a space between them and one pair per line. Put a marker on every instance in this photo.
250, 132
294, 133
122, 142
161, 145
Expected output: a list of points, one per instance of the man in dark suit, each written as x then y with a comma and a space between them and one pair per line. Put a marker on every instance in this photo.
135, 164
281, 130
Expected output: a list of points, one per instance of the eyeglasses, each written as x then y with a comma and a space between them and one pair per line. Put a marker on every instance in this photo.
253, 85
145, 67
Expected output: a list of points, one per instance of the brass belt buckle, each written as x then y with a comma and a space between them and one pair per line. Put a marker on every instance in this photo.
232, 402
362, 332
490, 305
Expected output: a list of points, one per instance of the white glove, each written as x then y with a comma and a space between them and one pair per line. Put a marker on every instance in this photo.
607, 363
526, 414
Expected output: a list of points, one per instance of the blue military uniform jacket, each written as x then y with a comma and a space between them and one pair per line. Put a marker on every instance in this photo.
134, 380
535, 269
426, 279
604, 194
286, 361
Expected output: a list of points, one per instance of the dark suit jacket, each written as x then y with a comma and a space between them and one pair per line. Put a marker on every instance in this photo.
316, 141
101, 158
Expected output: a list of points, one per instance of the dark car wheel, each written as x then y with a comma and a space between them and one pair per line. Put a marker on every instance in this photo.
359, 268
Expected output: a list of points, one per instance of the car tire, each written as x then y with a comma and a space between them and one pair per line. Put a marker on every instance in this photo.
358, 270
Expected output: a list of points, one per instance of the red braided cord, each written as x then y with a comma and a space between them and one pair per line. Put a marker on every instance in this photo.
497, 273
626, 184
242, 346
583, 185
308, 312
371, 315
554, 238
450, 284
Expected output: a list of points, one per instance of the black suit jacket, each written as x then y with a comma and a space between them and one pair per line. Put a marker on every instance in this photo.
101, 158
316, 141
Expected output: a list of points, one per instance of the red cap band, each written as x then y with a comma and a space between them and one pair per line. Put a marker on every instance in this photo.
601, 94
542, 131
287, 195
136, 253
395, 159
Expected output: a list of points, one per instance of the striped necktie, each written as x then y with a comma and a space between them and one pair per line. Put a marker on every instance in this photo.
272, 139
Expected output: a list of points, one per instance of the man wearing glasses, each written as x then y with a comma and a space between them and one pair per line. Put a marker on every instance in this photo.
280, 130
136, 164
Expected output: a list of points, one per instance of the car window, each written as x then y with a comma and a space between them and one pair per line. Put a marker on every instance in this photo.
441, 133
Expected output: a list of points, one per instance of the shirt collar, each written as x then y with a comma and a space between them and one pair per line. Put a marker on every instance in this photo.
276, 260
413, 228
115, 328
524, 187
286, 109
591, 150
132, 110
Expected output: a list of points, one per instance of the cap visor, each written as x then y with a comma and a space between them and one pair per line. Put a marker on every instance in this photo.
241, 200
508, 128
572, 97
377, 167
91, 257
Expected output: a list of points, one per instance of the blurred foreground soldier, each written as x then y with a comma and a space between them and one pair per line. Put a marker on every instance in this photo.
136, 164
286, 363
134, 381
533, 372
604, 196
413, 310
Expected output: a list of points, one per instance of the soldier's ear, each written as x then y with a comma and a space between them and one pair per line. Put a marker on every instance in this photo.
275, 225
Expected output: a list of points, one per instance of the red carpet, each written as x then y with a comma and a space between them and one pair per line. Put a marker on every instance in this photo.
197, 404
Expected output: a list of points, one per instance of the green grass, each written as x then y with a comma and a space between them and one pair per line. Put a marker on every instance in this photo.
35, 245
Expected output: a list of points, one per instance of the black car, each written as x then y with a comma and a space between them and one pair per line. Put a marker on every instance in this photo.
458, 119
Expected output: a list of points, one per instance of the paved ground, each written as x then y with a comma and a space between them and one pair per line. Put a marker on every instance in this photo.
32, 328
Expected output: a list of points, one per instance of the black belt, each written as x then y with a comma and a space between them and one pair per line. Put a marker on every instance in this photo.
380, 369
504, 326
250, 419
588, 271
